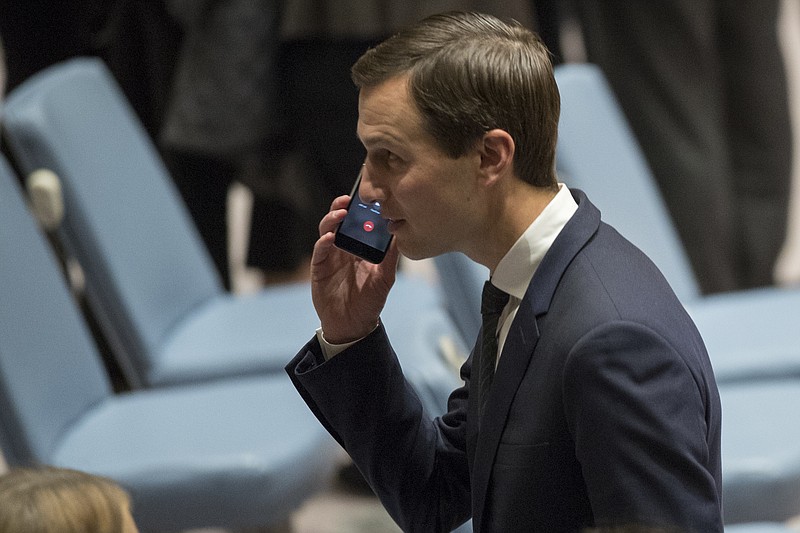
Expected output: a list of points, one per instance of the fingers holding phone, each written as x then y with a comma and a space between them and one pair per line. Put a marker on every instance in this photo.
333, 218
352, 269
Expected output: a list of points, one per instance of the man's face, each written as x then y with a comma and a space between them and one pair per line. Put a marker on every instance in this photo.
428, 196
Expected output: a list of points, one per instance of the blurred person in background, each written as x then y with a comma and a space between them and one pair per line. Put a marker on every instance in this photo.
704, 88
262, 95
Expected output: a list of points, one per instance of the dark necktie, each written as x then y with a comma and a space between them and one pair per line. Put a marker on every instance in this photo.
492, 303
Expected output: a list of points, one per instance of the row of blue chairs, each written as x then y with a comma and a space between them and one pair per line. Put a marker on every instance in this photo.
228, 453
212, 432
211, 422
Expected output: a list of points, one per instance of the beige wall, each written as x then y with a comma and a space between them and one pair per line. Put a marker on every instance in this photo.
787, 271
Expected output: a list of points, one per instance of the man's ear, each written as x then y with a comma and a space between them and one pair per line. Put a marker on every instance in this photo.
497, 154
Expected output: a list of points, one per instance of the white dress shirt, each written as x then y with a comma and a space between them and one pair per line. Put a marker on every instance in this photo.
516, 269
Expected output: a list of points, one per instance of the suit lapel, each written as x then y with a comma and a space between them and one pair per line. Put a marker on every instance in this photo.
521, 343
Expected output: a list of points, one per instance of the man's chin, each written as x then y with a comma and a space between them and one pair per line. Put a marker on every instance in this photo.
415, 252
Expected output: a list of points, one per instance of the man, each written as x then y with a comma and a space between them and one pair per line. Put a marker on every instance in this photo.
601, 408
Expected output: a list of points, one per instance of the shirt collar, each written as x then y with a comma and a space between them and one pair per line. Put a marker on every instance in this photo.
516, 269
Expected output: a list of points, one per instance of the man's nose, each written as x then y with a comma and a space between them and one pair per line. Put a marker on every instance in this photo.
369, 190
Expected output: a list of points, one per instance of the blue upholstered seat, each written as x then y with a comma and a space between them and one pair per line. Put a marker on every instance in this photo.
761, 450
149, 279
228, 453
759, 527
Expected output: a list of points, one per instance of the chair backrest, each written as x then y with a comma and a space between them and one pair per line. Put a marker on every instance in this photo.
124, 221
598, 153
50, 371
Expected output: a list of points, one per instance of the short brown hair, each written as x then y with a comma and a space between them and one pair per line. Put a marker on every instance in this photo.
470, 73
60, 500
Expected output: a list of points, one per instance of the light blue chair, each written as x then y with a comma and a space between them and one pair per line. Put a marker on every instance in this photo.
752, 336
230, 453
760, 527
761, 450
149, 279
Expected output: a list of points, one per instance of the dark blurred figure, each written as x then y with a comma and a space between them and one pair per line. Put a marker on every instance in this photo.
139, 42
235, 90
317, 103
262, 95
704, 88
135, 38
548, 18
221, 111
39, 33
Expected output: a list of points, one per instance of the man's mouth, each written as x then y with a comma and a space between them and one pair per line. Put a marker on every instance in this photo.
394, 223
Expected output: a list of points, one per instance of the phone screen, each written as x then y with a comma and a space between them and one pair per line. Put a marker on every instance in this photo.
363, 232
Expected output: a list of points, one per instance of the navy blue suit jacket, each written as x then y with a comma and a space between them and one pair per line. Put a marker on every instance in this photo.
603, 410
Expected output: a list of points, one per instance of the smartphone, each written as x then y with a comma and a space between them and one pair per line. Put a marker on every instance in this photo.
363, 232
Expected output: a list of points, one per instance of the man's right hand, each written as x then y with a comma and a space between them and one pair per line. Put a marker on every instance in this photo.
348, 292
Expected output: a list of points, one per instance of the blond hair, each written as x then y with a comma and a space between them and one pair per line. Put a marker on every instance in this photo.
58, 500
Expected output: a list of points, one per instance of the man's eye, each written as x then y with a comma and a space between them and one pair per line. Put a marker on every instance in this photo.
391, 157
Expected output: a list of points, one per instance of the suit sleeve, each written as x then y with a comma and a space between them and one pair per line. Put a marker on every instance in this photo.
416, 466
638, 414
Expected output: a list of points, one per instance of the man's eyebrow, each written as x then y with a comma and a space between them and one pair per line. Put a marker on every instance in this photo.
379, 138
